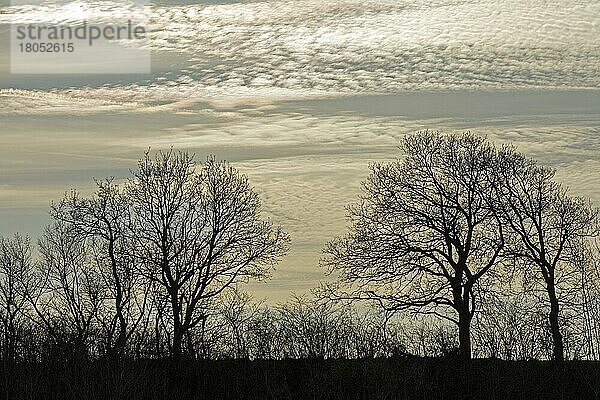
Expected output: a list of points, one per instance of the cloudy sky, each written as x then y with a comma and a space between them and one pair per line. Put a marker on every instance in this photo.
301, 95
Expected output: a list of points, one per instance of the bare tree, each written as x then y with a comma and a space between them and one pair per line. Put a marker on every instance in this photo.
311, 329
69, 291
238, 311
16, 274
425, 231
590, 293
551, 227
199, 232
513, 327
105, 218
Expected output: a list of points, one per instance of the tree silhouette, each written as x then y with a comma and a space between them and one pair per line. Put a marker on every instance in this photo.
105, 218
16, 278
425, 231
551, 227
198, 232
70, 290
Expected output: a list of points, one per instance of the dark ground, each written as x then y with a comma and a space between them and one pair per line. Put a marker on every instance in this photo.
396, 378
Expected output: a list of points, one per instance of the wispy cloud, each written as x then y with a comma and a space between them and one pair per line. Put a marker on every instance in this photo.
299, 49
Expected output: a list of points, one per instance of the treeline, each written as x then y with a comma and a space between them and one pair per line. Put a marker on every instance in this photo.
459, 248
136, 260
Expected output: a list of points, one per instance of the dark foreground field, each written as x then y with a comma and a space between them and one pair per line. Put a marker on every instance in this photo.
399, 378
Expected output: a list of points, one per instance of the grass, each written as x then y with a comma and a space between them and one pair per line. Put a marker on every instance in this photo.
395, 378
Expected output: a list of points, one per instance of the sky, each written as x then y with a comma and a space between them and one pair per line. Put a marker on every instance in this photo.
301, 96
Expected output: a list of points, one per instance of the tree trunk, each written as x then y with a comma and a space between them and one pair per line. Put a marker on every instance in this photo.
117, 350
178, 330
177, 342
557, 339
464, 334
122, 338
461, 305
119, 347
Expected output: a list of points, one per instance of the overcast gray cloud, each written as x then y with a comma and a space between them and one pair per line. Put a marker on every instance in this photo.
302, 96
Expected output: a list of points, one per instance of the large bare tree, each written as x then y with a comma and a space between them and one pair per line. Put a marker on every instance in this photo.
198, 230
425, 232
551, 228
